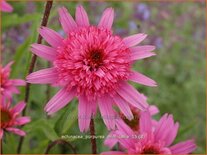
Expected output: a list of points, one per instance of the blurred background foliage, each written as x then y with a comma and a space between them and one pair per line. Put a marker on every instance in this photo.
176, 29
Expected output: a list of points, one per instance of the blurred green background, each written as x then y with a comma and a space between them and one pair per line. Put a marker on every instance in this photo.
176, 29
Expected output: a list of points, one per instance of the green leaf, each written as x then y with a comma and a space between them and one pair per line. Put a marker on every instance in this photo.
10, 142
61, 120
70, 120
186, 129
43, 126
15, 20
19, 55
66, 120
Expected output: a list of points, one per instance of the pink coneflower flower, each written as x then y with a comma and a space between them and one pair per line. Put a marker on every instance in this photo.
5, 7
10, 118
9, 86
152, 141
93, 64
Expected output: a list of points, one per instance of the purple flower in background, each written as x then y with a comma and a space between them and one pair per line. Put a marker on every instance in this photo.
132, 26
157, 41
142, 12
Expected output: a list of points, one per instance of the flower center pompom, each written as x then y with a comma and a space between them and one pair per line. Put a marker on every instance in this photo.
5, 118
93, 61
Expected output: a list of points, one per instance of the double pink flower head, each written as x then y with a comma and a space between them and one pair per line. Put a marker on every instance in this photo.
94, 65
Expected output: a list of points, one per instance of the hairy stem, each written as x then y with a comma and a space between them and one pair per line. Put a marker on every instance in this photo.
93, 140
46, 14
60, 141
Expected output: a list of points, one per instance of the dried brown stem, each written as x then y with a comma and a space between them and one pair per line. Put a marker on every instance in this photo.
2, 145
93, 140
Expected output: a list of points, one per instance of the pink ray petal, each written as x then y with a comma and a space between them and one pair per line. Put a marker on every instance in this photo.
141, 52
18, 107
172, 135
7, 94
84, 113
123, 106
61, 99
132, 96
121, 125
160, 122
43, 51
111, 139
13, 89
107, 18
166, 129
153, 110
145, 123
23, 120
81, 16
52, 37
141, 55
1, 133
185, 147
44, 76
124, 130
105, 105
5, 7
143, 96
165, 150
94, 108
18, 82
3, 102
7, 68
8, 104
134, 39
142, 79
163, 127
66, 20
16, 131
154, 124
125, 141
